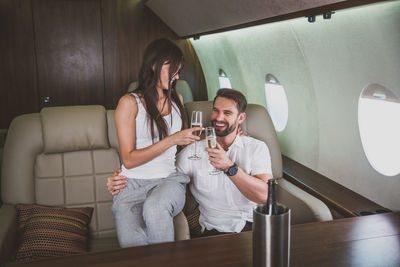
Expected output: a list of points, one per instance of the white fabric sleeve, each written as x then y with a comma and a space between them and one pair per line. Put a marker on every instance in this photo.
261, 159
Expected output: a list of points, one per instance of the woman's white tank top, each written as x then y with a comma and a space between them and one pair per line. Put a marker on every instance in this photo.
164, 164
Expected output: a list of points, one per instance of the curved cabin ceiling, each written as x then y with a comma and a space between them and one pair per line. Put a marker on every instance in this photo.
188, 18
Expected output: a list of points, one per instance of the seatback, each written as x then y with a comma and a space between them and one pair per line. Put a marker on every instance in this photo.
62, 157
3, 134
258, 124
182, 87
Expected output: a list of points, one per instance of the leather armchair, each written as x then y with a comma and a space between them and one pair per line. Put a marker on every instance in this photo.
62, 157
258, 124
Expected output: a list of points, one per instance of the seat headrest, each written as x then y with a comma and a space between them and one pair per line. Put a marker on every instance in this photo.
257, 124
204, 106
133, 86
182, 87
74, 128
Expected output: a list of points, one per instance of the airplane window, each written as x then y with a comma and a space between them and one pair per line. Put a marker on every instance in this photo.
378, 122
224, 81
277, 104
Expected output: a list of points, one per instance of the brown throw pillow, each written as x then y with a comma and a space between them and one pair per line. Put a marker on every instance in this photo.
193, 221
51, 231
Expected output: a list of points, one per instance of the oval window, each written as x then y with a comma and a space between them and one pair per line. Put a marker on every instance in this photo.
379, 125
277, 104
224, 81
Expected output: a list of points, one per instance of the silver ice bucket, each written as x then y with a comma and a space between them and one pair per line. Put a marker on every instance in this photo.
271, 237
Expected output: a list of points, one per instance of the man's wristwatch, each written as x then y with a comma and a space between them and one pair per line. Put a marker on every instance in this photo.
232, 170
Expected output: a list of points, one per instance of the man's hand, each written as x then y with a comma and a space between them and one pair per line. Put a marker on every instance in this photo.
218, 158
115, 183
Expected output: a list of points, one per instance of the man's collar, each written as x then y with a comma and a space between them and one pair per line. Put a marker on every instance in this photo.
237, 142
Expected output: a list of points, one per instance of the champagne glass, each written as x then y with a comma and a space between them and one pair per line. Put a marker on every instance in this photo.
196, 121
211, 141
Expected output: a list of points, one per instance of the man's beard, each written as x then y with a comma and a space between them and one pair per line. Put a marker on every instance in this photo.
229, 129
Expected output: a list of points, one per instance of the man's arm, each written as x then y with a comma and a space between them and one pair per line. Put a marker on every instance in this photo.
116, 182
254, 188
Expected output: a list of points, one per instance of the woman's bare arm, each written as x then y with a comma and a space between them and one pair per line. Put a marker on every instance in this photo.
125, 120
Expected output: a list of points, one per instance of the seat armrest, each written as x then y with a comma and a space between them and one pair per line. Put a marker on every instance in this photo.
181, 227
8, 232
305, 207
1, 160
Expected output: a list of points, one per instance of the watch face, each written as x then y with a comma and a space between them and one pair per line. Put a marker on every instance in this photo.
233, 170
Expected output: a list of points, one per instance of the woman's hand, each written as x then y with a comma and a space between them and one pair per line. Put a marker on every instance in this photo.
115, 183
185, 137
240, 132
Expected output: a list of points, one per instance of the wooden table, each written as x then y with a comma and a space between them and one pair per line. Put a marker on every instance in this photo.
362, 241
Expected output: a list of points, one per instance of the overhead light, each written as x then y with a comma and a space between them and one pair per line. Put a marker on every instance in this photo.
328, 15
311, 18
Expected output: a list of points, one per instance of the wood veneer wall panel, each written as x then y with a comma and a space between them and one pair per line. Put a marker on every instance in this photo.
18, 92
128, 27
78, 52
69, 51
192, 72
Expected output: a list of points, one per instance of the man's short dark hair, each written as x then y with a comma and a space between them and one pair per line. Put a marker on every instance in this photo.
238, 97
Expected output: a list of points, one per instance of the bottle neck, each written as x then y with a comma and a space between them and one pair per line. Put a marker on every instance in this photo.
271, 204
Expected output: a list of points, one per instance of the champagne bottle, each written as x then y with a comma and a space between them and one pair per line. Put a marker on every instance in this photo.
271, 207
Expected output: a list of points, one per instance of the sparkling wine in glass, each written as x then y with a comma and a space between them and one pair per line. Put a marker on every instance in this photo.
211, 141
196, 121
197, 133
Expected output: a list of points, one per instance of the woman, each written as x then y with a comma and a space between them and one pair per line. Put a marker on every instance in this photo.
150, 124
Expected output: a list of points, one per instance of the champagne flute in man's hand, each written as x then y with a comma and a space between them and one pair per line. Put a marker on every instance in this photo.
211, 141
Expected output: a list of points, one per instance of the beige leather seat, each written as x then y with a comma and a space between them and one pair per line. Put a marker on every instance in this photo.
3, 134
182, 87
304, 207
62, 157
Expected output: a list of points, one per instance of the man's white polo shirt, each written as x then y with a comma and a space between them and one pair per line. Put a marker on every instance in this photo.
222, 206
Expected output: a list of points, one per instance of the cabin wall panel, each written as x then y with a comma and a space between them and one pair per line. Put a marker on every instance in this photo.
192, 71
323, 66
215, 54
18, 91
78, 52
247, 56
68, 44
128, 27
358, 47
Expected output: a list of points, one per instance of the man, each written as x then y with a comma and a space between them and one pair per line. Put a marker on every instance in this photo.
225, 200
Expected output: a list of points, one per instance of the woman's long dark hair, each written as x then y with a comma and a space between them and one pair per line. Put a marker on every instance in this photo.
156, 54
